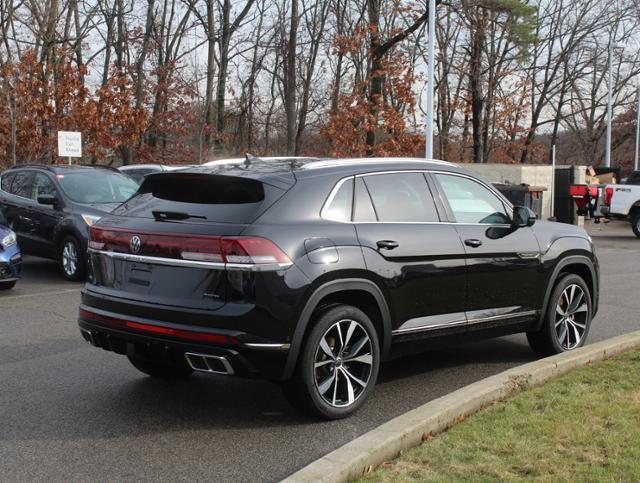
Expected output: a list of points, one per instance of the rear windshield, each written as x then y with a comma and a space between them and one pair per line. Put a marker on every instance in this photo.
201, 197
94, 186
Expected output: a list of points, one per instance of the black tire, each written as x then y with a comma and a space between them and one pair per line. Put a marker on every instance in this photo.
635, 224
161, 370
339, 372
7, 285
551, 338
73, 268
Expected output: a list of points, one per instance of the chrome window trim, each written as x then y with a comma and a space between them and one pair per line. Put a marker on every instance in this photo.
507, 204
174, 262
481, 320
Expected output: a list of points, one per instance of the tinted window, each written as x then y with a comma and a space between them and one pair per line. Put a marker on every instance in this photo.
401, 197
42, 185
5, 181
472, 202
363, 209
339, 208
93, 186
21, 185
205, 197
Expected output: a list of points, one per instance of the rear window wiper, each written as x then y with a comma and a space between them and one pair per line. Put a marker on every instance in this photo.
174, 215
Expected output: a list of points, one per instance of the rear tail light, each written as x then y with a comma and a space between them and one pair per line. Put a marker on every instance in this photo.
608, 194
242, 250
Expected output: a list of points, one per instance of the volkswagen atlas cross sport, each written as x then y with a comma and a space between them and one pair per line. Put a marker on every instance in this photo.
313, 273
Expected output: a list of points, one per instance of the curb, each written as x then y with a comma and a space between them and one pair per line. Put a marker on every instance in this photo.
388, 440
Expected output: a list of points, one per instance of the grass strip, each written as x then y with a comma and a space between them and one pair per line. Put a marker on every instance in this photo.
583, 426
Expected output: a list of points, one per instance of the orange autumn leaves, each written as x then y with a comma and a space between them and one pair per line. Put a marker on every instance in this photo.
41, 98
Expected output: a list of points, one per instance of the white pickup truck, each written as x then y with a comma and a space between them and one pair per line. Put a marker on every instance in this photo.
623, 200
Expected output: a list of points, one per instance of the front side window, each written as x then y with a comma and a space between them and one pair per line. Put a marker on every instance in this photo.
471, 202
339, 208
42, 186
401, 197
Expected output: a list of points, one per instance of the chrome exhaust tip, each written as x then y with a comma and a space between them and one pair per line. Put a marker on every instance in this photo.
88, 336
209, 363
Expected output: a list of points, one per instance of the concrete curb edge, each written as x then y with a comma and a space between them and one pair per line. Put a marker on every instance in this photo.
391, 438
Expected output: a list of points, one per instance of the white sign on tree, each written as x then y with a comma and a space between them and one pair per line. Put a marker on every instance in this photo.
69, 144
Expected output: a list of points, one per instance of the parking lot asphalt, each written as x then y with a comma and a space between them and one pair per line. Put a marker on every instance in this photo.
72, 412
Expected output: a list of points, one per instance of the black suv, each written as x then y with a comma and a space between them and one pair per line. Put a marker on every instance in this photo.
312, 273
51, 208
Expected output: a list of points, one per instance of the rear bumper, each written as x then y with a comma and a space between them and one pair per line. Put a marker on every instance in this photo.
234, 351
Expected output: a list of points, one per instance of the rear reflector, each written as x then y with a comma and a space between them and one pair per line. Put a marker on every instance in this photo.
158, 329
223, 249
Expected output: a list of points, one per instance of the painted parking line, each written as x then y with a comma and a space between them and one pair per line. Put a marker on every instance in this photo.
39, 294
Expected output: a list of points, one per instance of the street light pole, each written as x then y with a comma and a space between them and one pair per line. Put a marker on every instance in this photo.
607, 150
431, 32
635, 153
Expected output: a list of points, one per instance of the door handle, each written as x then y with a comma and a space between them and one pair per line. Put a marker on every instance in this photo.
472, 242
387, 244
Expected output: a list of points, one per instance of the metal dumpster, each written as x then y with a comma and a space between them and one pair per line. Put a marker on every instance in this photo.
523, 195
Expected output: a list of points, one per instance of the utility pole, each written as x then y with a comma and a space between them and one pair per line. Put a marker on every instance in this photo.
607, 151
431, 32
635, 153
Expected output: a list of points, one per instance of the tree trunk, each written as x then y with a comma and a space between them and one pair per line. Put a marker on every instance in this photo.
225, 37
475, 88
211, 61
290, 80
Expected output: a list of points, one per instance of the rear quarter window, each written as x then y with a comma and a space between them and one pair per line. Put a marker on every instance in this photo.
5, 181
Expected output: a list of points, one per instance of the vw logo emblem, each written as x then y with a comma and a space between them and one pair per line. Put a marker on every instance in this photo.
135, 244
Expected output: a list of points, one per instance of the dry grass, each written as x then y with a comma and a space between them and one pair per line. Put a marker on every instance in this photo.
584, 426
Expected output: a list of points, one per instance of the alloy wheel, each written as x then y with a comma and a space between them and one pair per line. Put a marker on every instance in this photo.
572, 312
343, 363
70, 258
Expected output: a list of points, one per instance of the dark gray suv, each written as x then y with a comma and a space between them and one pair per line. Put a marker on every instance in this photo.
52, 207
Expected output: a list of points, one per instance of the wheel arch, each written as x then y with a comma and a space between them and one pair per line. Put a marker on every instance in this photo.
580, 265
361, 293
63, 232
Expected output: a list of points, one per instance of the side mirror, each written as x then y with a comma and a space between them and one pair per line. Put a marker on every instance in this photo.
48, 200
523, 216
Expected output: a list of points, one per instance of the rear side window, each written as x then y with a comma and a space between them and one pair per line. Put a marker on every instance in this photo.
401, 197
339, 208
203, 197
21, 184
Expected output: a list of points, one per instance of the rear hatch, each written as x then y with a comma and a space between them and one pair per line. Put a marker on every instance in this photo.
172, 243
